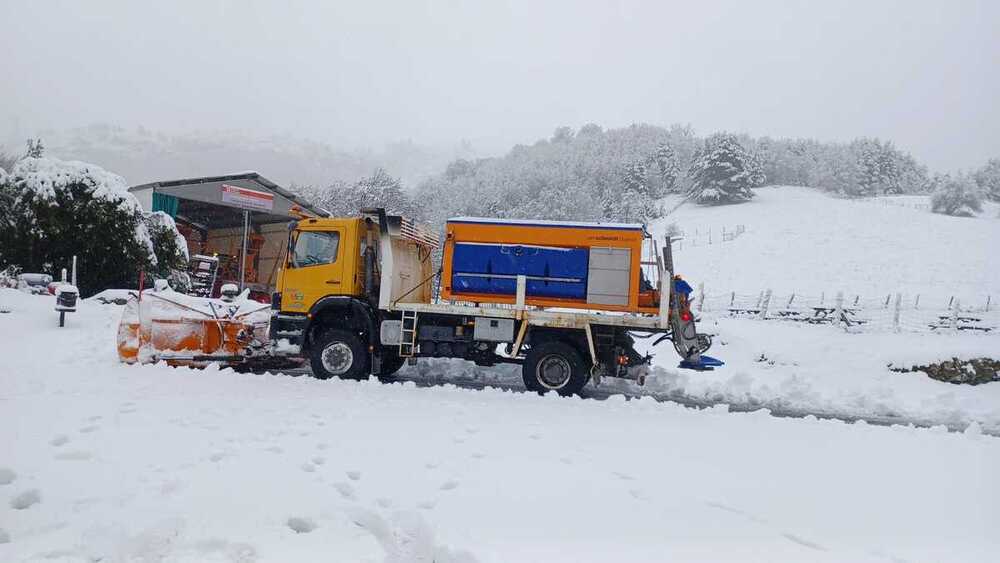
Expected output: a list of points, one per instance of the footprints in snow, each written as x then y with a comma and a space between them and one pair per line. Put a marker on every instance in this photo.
26, 499
758, 520
301, 525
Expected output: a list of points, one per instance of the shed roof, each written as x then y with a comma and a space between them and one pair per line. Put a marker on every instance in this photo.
203, 202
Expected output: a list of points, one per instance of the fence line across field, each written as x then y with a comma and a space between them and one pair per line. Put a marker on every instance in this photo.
703, 236
890, 312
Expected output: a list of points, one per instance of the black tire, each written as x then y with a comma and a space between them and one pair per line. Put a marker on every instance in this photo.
391, 363
554, 366
345, 356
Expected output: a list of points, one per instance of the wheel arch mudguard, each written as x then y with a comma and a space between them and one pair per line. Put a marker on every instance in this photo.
327, 310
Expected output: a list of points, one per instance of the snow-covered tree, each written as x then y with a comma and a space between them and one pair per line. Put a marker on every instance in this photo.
35, 149
634, 177
170, 249
988, 179
7, 161
877, 170
956, 195
344, 199
724, 172
667, 169
55, 209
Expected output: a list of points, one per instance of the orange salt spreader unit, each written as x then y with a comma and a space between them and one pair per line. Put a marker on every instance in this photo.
572, 265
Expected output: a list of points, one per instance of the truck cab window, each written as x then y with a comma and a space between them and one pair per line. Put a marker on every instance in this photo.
314, 248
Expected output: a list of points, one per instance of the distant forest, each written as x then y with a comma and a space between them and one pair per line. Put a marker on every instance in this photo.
623, 173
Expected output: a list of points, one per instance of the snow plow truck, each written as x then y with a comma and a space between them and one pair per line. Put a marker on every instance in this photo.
360, 296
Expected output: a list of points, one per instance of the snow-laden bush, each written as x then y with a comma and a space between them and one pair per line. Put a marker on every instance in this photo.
724, 172
51, 210
956, 195
988, 179
170, 248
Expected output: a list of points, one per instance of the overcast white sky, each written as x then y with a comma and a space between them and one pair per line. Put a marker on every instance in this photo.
925, 74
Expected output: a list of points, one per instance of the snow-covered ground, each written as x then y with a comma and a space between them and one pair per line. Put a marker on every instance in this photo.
103, 461
800, 240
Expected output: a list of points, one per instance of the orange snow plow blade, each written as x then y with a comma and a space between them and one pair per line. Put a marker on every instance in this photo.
185, 330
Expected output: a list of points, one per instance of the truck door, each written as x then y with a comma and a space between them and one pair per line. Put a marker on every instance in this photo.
314, 270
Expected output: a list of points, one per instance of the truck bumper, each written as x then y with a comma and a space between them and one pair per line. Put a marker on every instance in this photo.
287, 332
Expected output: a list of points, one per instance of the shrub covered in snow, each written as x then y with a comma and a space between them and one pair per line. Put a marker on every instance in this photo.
170, 248
958, 196
51, 210
988, 179
724, 172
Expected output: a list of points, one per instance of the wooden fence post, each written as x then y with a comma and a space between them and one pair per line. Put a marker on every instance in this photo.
765, 304
838, 311
895, 312
701, 296
954, 315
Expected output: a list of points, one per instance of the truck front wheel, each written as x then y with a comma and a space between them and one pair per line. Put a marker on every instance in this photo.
554, 366
339, 353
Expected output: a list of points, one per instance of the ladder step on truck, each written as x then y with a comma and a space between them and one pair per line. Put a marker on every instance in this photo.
408, 334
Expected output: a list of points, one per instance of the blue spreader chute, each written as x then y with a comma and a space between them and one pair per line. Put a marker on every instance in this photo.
704, 363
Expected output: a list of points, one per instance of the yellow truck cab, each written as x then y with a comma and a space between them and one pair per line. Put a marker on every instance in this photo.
324, 258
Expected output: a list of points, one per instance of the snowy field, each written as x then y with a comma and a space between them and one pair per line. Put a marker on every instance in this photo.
108, 462
102, 461
800, 240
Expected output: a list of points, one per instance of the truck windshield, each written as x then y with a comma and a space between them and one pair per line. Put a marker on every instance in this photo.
313, 248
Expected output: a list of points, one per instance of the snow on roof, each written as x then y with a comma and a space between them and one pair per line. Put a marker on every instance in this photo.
44, 177
545, 223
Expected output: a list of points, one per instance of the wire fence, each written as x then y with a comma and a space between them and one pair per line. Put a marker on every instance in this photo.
893, 312
704, 236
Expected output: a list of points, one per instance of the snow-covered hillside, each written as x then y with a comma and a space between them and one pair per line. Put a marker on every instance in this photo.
801, 240
102, 461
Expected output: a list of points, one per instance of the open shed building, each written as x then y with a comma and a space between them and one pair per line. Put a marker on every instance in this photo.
239, 219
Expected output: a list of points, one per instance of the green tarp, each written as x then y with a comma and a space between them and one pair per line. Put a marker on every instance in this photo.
166, 203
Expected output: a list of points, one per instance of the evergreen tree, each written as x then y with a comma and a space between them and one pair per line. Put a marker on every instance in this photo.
988, 179
35, 149
634, 177
958, 196
170, 249
54, 210
724, 172
877, 170
666, 168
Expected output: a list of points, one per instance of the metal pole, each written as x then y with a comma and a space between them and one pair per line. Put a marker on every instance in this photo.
243, 251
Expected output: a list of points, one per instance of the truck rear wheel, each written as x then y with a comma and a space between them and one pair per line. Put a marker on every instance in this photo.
339, 353
554, 366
